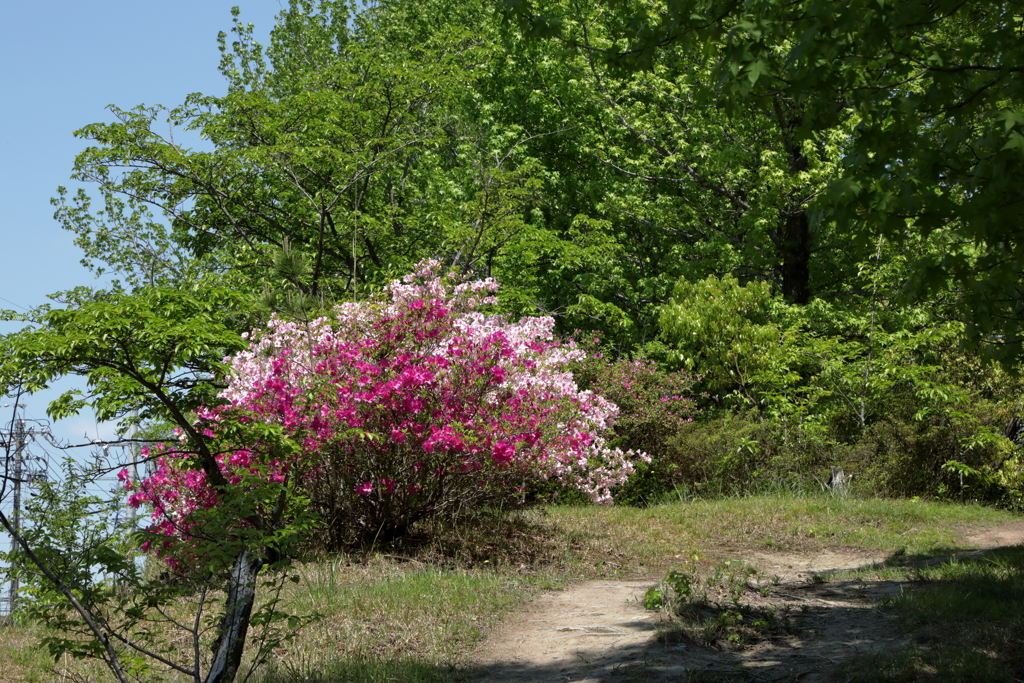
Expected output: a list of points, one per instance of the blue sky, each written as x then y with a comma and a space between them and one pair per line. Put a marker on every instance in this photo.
61, 64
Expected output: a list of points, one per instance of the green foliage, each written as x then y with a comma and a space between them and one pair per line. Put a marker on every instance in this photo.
885, 394
343, 154
934, 98
87, 552
158, 350
708, 608
731, 335
956, 453
737, 453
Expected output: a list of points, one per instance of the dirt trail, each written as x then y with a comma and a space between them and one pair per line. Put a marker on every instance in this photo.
599, 631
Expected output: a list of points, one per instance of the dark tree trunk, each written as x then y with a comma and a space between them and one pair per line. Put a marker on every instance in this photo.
796, 258
793, 241
227, 651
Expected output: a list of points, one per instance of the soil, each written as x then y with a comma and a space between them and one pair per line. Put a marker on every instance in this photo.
599, 631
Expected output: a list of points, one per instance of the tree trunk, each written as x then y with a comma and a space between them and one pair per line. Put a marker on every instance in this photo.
796, 258
230, 644
794, 242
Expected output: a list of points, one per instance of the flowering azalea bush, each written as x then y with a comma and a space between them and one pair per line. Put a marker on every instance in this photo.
654, 405
412, 405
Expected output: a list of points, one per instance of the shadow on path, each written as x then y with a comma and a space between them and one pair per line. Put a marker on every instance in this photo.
599, 631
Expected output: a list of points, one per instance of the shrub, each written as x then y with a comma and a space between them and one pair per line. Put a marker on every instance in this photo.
411, 405
953, 454
653, 406
740, 453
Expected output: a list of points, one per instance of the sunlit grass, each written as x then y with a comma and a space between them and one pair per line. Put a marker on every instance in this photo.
21, 657
645, 541
433, 613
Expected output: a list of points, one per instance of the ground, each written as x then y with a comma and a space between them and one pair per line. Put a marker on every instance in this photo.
599, 631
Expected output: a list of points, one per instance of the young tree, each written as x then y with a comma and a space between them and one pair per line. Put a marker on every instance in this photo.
156, 353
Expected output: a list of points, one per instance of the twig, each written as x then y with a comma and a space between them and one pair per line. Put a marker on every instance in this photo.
824, 602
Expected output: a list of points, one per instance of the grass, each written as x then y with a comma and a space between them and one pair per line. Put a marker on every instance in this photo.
380, 611
648, 542
965, 614
411, 611
21, 658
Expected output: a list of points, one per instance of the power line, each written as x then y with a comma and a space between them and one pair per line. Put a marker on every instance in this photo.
27, 469
15, 305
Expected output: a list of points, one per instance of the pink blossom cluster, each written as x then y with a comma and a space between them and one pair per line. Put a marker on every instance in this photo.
413, 404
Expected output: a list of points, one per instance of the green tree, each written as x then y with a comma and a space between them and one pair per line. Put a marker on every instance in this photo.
646, 177
935, 88
156, 353
348, 150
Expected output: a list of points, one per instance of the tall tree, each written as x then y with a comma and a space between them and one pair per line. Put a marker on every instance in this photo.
936, 87
323, 142
666, 178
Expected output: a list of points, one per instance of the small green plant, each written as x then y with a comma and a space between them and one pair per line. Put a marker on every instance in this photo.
681, 583
654, 598
709, 609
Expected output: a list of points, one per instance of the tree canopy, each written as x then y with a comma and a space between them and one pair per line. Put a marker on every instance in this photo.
932, 90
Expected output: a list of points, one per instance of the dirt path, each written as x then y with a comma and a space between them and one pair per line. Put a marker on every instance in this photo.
599, 631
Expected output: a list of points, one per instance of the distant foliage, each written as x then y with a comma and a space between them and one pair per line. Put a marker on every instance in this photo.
884, 393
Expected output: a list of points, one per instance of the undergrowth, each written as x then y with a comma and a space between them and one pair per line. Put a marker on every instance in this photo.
713, 607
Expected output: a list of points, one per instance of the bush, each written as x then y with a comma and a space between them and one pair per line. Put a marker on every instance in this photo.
413, 405
891, 398
653, 406
741, 453
950, 455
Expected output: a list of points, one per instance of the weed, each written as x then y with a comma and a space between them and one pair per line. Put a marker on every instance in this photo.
654, 598
709, 610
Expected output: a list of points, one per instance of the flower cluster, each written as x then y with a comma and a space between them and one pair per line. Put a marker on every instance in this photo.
653, 404
411, 405
654, 408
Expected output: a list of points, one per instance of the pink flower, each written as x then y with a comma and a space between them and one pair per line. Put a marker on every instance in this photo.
503, 453
419, 379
